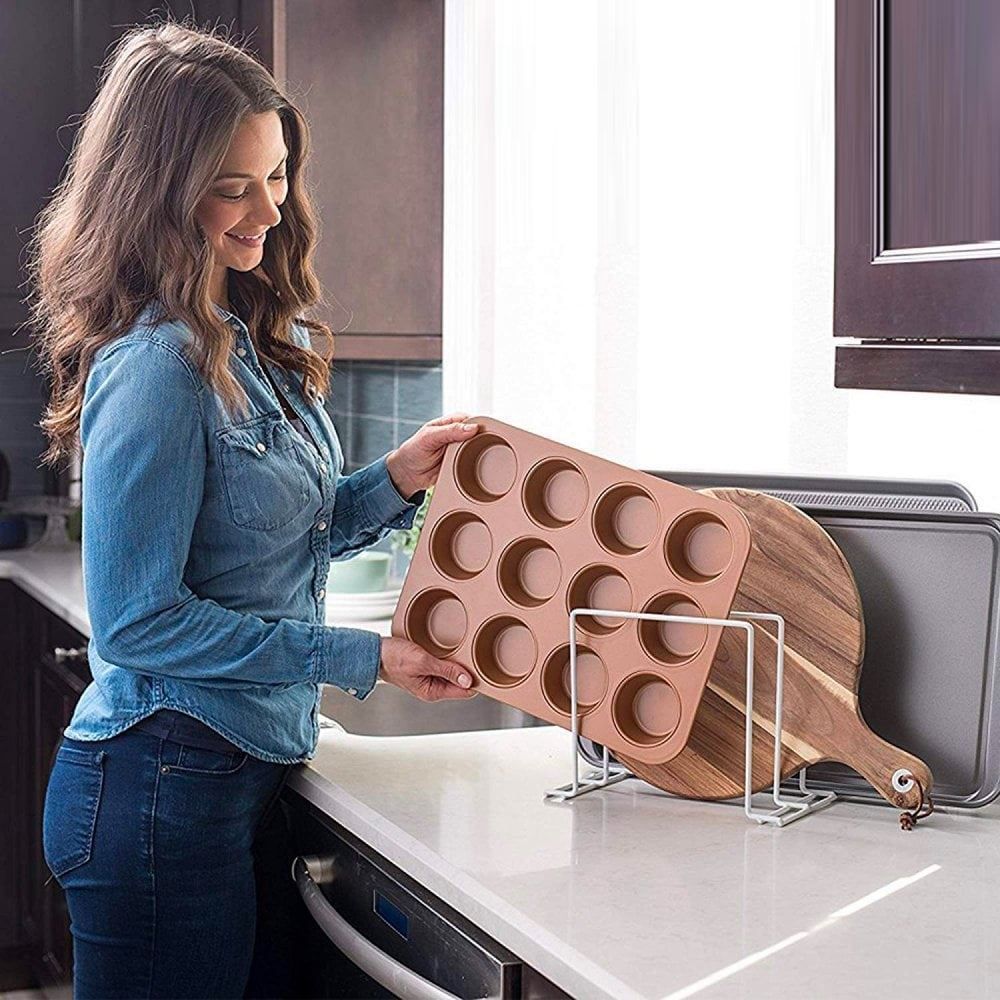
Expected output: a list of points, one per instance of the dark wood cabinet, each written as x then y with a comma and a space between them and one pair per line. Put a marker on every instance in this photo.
44, 673
11, 787
917, 204
369, 78
52, 50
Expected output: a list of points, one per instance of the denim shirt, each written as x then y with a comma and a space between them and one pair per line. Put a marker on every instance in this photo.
207, 542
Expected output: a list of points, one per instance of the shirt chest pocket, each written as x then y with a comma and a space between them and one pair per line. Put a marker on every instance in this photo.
263, 477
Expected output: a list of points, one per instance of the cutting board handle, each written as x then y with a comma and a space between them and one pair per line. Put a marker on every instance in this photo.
877, 761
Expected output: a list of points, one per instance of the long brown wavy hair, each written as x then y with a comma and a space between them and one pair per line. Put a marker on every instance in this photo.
120, 229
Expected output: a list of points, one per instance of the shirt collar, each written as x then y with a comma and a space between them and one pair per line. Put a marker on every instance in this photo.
229, 317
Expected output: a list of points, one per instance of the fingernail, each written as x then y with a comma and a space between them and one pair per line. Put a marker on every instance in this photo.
468, 427
464, 680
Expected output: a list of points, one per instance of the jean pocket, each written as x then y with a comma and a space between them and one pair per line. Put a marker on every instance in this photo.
263, 475
196, 760
72, 799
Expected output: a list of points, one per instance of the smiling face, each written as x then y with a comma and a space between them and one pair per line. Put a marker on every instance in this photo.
244, 198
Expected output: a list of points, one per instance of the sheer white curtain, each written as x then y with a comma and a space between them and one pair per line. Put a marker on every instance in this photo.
624, 254
540, 313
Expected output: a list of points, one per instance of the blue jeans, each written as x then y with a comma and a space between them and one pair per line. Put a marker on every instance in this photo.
153, 842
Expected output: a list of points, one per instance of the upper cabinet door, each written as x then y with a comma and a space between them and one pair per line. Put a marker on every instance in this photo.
369, 78
369, 75
918, 194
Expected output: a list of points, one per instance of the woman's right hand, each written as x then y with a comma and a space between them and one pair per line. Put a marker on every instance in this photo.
412, 668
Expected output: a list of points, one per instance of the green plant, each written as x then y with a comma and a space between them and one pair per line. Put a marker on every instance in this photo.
407, 539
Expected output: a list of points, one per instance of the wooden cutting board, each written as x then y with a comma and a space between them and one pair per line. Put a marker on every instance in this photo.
794, 570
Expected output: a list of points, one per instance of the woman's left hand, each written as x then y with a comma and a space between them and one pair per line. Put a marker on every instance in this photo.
415, 464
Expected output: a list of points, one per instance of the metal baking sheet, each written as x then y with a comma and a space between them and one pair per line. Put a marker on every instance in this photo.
928, 585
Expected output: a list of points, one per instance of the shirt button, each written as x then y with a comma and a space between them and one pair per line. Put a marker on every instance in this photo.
241, 351
353, 692
321, 526
322, 467
321, 595
261, 447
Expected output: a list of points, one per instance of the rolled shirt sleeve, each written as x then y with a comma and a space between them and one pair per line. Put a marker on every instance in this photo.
145, 450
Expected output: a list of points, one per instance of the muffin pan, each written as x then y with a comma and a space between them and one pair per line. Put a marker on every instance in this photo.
519, 531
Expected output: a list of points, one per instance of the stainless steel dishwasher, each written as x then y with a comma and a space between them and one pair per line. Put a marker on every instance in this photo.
376, 933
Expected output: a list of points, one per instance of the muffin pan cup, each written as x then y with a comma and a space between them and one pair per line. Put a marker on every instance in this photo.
519, 531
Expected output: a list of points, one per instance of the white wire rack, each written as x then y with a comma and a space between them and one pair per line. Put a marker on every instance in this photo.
786, 809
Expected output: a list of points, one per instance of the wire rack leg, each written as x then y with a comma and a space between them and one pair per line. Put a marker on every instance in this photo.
786, 810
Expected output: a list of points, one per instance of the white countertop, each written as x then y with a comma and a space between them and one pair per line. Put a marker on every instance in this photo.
54, 577
628, 892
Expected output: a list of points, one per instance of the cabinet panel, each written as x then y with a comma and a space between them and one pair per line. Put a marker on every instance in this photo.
56, 693
11, 687
369, 78
917, 207
29, 621
44, 693
942, 146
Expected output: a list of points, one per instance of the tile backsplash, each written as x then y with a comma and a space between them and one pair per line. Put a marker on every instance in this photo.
376, 406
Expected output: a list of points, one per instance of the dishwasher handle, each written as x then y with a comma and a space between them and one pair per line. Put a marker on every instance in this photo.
310, 872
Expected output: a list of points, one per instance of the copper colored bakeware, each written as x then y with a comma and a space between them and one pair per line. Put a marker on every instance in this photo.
519, 531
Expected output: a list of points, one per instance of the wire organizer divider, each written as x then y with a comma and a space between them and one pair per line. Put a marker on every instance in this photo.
786, 810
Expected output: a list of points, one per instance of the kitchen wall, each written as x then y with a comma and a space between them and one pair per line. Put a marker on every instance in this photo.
639, 243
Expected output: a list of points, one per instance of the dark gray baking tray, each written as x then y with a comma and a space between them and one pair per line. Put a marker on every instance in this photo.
928, 585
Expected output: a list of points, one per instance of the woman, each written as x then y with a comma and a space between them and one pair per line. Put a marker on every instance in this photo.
170, 272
